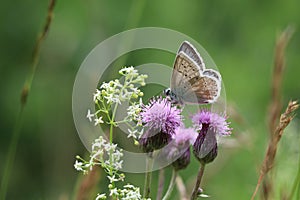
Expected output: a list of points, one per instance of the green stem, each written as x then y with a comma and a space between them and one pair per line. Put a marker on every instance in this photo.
24, 96
11, 155
197, 185
171, 185
296, 184
148, 177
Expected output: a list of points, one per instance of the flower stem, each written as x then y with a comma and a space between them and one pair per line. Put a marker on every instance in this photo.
148, 177
197, 185
171, 185
161, 183
24, 96
296, 182
181, 188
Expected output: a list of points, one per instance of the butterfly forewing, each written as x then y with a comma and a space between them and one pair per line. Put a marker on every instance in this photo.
192, 53
184, 69
191, 83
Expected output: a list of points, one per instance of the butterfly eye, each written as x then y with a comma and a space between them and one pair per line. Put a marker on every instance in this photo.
167, 92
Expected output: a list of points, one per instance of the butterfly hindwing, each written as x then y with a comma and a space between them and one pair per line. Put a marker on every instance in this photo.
204, 90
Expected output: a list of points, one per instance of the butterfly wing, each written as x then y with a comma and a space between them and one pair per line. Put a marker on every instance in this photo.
192, 53
192, 85
184, 70
206, 88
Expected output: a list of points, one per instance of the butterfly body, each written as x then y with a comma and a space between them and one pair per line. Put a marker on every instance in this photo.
191, 82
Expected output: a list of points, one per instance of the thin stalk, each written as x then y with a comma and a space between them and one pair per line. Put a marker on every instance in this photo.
161, 183
148, 177
198, 182
24, 95
181, 188
298, 191
296, 182
11, 155
171, 185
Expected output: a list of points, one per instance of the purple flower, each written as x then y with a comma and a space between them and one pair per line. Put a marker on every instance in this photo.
209, 125
161, 115
177, 151
183, 138
153, 139
215, 122
161, 119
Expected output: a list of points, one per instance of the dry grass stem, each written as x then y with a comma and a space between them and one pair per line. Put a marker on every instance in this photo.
276, 123
269, 159
88, 184
279, 65
23, 98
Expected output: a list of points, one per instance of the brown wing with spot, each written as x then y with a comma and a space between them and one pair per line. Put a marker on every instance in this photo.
184, 70
205, 88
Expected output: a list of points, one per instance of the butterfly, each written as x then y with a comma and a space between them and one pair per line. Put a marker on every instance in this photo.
191, 82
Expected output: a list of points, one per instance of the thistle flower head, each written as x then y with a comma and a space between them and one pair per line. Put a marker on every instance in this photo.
209, 125
185, 135
182, 140
161, 115
212, 121
161, 120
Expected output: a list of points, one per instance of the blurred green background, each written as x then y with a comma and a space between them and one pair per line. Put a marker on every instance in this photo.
239, 36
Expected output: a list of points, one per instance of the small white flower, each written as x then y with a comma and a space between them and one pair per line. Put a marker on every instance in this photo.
98, 155
112, 179
118, 154
132, 133
100, 196
90, 115
118, 165
129, 186
114, 191
78, 165
140, 133
110, 148
98, 121
105, 85
97, 95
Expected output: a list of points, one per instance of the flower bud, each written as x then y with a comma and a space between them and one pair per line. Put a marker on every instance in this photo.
205, 147
153, 139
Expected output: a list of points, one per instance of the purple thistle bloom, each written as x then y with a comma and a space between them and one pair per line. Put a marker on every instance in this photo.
182, 140
215, 122
162, 119
177, 151
209, 125
161, 115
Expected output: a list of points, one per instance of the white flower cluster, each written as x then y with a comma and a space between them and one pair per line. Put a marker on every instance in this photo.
109, 157
133, 114
134, 110
105, 154
129, 192
115, 92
